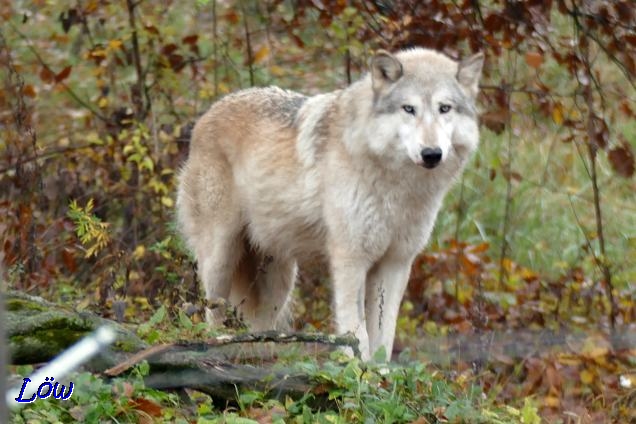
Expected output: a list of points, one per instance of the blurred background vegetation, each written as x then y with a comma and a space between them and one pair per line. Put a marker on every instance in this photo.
97, 103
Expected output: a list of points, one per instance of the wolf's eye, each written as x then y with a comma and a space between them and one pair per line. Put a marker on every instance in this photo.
444, 108
409, 109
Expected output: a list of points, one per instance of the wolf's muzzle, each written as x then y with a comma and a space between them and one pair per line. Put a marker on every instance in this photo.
431, 157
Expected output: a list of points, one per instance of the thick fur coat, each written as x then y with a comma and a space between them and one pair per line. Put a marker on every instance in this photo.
357, 176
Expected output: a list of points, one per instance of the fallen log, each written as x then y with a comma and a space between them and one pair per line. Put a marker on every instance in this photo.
222, 366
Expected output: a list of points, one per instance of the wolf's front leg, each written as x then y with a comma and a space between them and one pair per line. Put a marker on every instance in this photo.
385, 287
349, 275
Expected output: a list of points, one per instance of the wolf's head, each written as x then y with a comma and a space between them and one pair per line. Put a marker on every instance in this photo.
424, 105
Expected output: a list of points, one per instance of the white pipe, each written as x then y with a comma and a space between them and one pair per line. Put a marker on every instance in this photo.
63, 364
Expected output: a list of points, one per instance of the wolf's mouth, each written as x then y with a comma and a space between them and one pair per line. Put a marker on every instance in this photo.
429, 165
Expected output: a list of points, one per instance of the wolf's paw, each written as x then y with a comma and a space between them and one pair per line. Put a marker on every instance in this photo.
220, 313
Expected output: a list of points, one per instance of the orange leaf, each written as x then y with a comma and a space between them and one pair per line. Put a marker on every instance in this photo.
261, 54
479, 248
28, 90
190, 39
149, 407
232, 17
90, 7
495, 120
64, 73
624, 107
534, 59
69, 260
47, 75
622, 160
169, 48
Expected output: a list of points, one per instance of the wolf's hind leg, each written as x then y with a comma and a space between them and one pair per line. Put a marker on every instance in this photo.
218, 257
274, 289
209, 215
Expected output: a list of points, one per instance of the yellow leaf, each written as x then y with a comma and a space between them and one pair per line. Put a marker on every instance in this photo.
595, 351
276, 70
139, 251
128, 149
223, 88
528, 274
90, 7
407, 306
557, 114
102, 102
507, 264
261, 54
167, 201
142, 301
587, 377
205, 94
551, 401
569, 359
574, 114
98, 53
602, 361
114, 44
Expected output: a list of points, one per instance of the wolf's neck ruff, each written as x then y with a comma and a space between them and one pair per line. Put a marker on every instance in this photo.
357, 175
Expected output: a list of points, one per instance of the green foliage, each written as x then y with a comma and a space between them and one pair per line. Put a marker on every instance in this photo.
363, 393
149, 329
136, 151
167, 324
92, 232
95, 400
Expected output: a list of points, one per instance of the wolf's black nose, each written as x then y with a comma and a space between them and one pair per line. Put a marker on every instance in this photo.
431, 157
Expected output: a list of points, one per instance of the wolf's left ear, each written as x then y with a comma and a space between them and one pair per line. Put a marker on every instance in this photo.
385, 69
469, 72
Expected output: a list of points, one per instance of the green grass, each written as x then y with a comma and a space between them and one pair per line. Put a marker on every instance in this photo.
552, 209
359, 393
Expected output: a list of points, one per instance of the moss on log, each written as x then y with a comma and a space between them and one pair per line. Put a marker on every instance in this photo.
38, 330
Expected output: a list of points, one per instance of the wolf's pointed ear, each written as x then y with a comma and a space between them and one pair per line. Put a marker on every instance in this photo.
385, 69
469, 72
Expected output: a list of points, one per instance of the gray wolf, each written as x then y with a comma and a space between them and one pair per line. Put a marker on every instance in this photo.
357, 176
